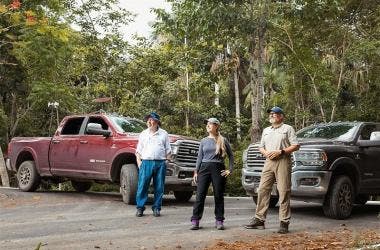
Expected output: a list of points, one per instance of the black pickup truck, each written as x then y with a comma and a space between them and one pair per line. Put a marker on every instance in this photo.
338, 165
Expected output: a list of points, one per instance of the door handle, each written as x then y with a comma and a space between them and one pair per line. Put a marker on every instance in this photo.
56, 141
83, 142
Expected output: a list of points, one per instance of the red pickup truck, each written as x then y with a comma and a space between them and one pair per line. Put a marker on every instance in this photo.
97, 148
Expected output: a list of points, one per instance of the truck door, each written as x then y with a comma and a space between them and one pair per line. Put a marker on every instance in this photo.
370, 156
96, 151
63, 154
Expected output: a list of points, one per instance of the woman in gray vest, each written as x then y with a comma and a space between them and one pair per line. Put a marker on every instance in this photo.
210, 169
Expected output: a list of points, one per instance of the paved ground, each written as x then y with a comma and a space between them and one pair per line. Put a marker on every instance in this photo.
67, 220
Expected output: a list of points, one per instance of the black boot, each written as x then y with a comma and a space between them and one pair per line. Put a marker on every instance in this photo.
284, 228
139, 212
255, 223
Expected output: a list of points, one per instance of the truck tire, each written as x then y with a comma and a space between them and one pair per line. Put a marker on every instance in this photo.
81, 186
27, 176
183, 196
128, 183
272, 202
339, 199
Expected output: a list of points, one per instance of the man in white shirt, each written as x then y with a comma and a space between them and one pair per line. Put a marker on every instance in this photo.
153, 149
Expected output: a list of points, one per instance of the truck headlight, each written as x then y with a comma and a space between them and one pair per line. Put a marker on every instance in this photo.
174, 148
245, 156
310, 157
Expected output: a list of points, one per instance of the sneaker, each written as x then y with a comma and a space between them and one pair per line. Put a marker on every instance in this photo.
284, 228
255, 223
219, 225
139, 212
194, 225
156, 213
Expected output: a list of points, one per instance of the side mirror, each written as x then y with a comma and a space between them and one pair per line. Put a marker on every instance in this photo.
96, 129
373, 142
375, 136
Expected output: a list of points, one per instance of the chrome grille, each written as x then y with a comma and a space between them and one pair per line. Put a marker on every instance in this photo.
255, 160
187, 153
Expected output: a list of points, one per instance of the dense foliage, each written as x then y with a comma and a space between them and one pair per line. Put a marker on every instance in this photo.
319, 60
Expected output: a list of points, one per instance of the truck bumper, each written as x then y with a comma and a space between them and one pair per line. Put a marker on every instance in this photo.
313, 184
179, 178
306, 185
251, 180
8, 164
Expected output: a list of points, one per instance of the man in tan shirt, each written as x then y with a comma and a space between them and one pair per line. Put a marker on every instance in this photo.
277, 143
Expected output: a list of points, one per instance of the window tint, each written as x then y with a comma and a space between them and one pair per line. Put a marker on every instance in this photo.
72, 126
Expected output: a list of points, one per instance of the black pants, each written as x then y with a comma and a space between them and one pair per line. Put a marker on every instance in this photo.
210, 172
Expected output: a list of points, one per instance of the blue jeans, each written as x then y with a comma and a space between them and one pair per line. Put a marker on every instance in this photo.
147, 170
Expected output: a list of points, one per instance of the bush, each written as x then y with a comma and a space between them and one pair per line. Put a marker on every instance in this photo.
234, 186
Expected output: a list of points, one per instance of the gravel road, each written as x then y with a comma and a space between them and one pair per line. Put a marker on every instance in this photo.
68, 220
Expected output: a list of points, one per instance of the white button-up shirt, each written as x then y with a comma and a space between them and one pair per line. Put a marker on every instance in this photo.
153, 145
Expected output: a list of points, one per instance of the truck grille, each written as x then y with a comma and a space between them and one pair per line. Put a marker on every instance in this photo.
255, 160
187, 153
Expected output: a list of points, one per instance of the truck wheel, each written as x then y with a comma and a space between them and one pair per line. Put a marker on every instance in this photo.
339, 199
27, 176
128, 183
361, 199
183, 196
272, 202
81, 186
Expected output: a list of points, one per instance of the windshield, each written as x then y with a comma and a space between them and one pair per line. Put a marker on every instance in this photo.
128, 125
341, 132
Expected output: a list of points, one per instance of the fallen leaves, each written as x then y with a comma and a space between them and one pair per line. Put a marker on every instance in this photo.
341, 239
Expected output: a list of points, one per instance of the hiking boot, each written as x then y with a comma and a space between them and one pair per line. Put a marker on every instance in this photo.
156, 213
284, 227
219, 225
255, 223
194, 225
139, 212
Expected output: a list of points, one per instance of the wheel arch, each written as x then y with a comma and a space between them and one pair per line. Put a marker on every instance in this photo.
25, 155
347, 166
118, 162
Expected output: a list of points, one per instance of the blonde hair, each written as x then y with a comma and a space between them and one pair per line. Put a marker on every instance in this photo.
220, 145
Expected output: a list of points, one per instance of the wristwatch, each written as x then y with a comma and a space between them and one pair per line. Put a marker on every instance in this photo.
282, 152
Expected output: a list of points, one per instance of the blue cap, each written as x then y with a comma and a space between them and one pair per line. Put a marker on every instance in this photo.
152, 115
275, 109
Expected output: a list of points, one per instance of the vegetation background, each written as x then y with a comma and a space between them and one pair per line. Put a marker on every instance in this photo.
319, 60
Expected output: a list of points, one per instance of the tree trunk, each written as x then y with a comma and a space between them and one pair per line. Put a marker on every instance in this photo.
257, 70
237, 105
333, 111
3, 171
217, 93
255, 127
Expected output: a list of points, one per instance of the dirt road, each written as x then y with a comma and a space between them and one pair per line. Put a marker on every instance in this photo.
66, 220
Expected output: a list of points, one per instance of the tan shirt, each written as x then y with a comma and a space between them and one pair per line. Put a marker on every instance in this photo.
278, 138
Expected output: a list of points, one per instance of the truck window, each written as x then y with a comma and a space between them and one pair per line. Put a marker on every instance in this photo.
365, 134
328, 131
128, 125
97, 120
72, 126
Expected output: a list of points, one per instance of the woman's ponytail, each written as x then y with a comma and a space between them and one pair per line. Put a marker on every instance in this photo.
220, 145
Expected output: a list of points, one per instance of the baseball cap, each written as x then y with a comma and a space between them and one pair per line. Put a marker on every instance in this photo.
212, 120
152, 115
275, 109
